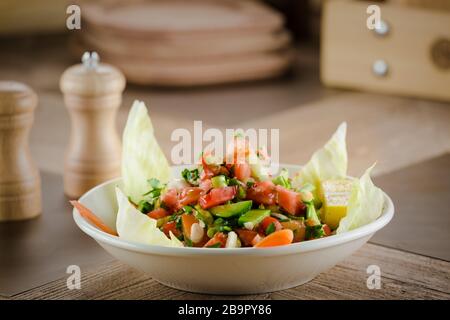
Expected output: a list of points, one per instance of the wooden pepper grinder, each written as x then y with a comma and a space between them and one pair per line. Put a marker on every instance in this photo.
93, 94
20, 183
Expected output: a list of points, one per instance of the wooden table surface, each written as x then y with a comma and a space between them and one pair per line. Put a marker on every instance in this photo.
396, 132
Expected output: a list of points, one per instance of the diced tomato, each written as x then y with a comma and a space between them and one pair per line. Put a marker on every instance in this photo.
326, 229
189, 195
205, 185
246, 236
290, 201
242, 171
171, 226
170, 199
220, 238
158, 213
267, 221
262, 193
217, 196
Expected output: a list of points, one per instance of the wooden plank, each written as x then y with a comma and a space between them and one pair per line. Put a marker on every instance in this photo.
404, 276
38, 251
422, 216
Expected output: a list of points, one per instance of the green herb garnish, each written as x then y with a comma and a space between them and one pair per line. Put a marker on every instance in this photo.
187, 209
191, 176
215, 245
188, 242
270, 228
314, 232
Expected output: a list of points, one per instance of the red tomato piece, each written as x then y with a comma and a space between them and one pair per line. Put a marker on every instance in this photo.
217, 196
290, 201
171, 226
219, 240
189, 195
170, 199
158, 213
205, 185
326, 229
262, 193
242, 171
246, 236
267, 221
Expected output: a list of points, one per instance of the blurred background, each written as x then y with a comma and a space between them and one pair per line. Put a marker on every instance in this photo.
297, 65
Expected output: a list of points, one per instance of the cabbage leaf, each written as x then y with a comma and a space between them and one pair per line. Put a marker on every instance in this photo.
142, 158
329, 162
133, 225
365, 204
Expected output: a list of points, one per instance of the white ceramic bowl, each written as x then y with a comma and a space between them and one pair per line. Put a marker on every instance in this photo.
225, 271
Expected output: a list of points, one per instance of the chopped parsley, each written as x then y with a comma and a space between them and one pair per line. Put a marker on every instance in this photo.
151, 197
188, 242
270, 228
191, 176
314, 232
215, 245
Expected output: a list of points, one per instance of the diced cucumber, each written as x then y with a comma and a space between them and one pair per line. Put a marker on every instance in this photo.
241, 194
253, 217
219, 181
211, 232
232, 209
204, 215
282, 179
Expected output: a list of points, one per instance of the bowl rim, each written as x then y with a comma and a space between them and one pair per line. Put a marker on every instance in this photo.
305, 246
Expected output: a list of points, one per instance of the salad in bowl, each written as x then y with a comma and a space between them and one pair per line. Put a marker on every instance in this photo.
155, 214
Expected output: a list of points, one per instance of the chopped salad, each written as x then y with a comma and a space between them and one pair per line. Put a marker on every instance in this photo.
223, 204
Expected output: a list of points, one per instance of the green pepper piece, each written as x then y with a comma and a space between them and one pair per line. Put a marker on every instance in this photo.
203, 215
232, 209
253, 217
219, 181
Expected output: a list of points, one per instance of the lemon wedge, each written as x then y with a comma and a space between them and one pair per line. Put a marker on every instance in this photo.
335, 197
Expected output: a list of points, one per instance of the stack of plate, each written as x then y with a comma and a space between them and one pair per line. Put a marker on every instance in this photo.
187, 43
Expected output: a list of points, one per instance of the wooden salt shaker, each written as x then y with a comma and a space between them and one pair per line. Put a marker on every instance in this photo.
20, 183
93, 94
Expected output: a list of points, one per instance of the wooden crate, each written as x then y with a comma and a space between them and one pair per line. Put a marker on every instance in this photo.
416, 49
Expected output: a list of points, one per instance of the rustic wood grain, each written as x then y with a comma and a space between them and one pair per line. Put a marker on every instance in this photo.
422, 218
404, 276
